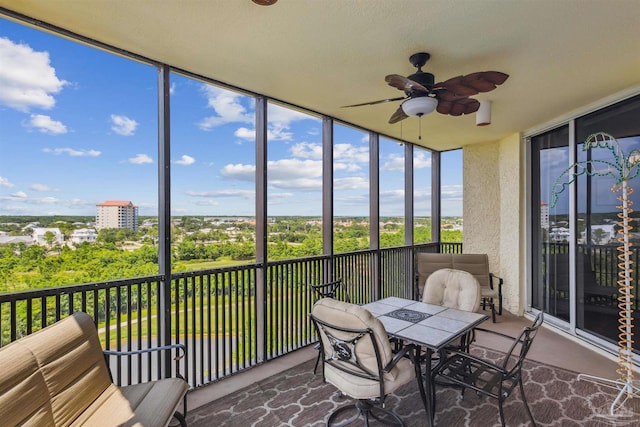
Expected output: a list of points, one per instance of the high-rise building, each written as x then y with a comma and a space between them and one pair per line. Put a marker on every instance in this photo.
544, 215
117, 214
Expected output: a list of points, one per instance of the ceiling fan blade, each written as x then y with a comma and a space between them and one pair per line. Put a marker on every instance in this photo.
458, 107
374, 102
472, 84
397, 116
405, 84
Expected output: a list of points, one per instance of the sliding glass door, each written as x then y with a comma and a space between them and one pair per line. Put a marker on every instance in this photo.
575, 216
551, 228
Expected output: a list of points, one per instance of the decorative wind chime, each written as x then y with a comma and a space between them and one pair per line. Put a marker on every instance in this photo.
622, 169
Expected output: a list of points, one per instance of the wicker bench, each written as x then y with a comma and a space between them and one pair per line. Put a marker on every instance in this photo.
58, 376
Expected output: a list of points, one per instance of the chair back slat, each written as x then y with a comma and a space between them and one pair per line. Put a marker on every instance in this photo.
512, 362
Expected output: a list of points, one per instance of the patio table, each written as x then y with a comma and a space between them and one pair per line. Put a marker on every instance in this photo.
426, 325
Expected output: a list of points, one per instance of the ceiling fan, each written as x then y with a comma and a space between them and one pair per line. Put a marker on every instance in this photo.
450, 97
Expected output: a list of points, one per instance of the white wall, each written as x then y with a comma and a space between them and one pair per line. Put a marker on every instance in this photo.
493, 202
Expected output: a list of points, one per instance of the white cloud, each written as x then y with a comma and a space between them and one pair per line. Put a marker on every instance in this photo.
273, 134
244, 133
185, 160
27, 79
46, 200
123, 125
307, 150
350, 183
39, 187
451, 192
72, 152
227, 107
4, 182
284, 173
348, 152
45, 124
421, 160
285, 169
245, 194
279, 133
348, 167
19, 195
394, 162
140, 159
239, 171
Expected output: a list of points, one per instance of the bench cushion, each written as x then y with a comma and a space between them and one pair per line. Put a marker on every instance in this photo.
23, 393
148, 404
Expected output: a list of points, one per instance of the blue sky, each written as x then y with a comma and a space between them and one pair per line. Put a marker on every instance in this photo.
78, 126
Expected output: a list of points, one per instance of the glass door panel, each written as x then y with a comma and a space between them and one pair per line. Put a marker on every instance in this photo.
550, 225
599, 231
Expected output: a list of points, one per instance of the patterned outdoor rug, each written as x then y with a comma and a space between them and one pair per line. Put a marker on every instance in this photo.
297, 397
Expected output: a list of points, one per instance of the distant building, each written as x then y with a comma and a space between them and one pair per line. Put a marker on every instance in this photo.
544, 215
82, 235
7, 240
39, 236
117, 214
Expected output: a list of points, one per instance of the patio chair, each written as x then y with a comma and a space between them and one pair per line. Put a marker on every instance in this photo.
454, 289
358, 360
327, 290
496, 380
476, 264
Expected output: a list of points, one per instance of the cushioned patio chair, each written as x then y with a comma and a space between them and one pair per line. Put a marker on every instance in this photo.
358, 361
496, 380
328, 290
453, 289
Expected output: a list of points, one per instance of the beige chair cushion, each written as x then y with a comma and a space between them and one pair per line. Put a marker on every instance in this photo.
429, 263
139, 405
23, 396
71, 363
347, 315
454, 289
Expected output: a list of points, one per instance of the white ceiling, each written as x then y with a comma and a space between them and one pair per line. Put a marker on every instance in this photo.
561, 55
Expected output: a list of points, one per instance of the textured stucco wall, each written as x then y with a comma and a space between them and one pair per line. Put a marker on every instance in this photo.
492, 206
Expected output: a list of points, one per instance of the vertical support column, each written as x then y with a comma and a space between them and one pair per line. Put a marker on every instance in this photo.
374, 212
436, 192
261, 228
164, 211
408, 217
327, 196
408, 194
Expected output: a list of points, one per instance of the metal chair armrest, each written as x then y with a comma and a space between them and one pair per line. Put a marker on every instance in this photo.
493, 277
404, 352
451, 354
179, 356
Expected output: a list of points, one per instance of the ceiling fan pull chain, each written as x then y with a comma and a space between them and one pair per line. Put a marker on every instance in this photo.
420, 128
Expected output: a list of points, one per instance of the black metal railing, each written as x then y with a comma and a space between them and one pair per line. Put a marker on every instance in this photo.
214, 313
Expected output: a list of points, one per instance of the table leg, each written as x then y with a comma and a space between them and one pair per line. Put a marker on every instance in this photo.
430, 389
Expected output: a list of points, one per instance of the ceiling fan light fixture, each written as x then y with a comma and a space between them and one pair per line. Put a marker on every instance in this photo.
420, 106
483, 115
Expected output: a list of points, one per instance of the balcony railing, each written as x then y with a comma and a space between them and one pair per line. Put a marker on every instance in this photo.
215, 313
